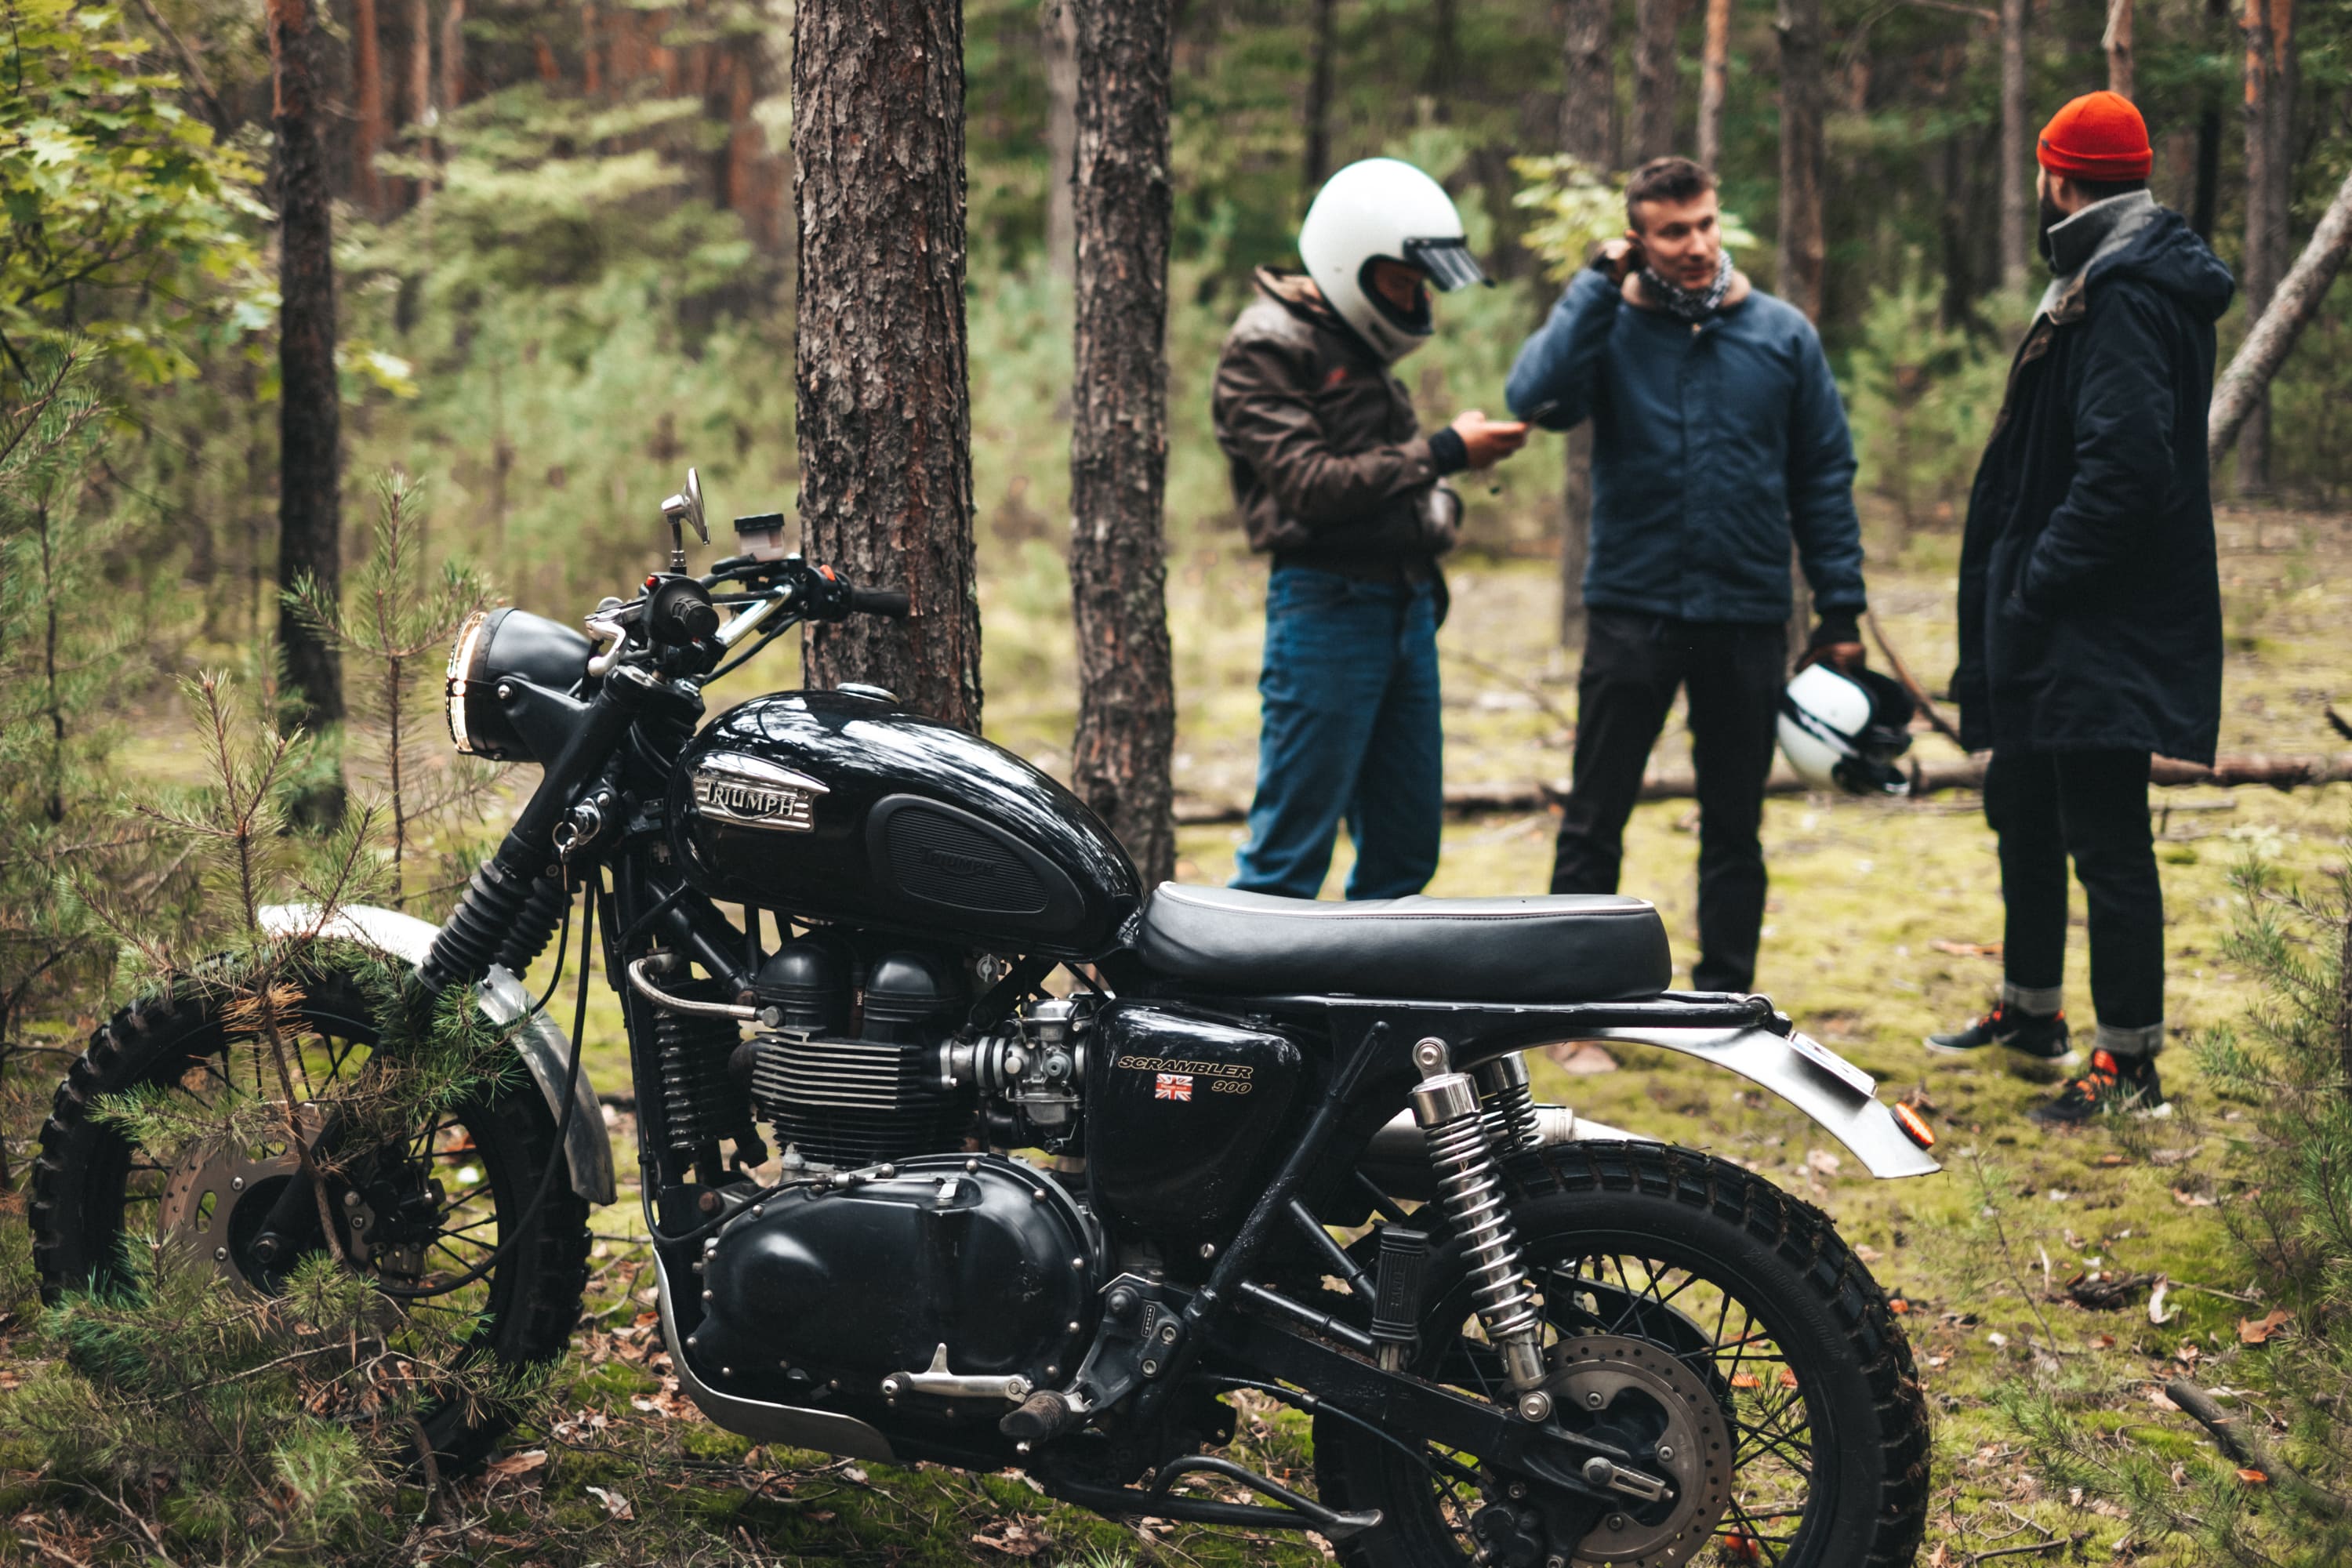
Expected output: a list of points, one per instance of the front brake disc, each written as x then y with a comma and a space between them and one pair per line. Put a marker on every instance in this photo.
1620, 1385
205, 1193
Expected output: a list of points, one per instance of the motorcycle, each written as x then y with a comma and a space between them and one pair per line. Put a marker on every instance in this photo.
1246, 1145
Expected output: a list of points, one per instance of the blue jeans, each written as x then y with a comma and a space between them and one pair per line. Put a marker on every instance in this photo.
1349, 729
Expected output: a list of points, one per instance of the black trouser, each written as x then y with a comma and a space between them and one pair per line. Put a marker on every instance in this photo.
1633, 666
2092, 805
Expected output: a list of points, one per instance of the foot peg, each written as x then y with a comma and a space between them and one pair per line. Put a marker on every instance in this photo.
1042, 1416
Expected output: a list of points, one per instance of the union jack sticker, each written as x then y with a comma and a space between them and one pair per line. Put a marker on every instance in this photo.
1173, 1086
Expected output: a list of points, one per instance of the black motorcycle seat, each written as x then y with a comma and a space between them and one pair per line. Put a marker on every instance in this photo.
1554, 948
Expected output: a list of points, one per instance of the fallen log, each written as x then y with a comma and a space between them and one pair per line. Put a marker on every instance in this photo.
1926, 778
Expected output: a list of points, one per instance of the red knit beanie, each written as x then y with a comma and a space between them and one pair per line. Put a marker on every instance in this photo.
2099, 136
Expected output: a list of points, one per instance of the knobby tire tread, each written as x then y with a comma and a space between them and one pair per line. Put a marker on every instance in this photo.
1804, 1238
127, 1050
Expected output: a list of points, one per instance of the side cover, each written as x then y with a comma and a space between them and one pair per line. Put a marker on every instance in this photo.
1182, 1112
837, 807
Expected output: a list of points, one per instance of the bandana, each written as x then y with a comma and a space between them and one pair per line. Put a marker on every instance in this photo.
1690, 304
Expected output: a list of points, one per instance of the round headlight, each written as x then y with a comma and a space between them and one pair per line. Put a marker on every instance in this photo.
507, 648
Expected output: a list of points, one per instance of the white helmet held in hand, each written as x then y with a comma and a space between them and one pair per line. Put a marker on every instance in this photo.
1844, 731
1383, 210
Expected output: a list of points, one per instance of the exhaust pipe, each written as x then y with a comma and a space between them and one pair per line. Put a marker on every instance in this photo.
1398, 1158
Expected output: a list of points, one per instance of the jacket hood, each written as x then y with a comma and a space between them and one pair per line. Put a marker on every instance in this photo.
2166, 253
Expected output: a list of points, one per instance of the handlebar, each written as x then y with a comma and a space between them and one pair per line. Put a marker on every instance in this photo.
878, 602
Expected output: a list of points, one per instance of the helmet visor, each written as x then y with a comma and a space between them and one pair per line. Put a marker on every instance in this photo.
1447, 262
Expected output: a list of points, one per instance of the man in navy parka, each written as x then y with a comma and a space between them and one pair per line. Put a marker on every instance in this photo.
1718, 438
2090, 605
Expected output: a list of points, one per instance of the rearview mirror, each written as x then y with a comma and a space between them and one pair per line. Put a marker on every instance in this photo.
680, 510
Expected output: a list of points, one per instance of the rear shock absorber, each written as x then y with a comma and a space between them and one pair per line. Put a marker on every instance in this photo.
1470, 1189
1508, 1105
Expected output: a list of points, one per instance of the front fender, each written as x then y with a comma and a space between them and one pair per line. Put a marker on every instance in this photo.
587, 1148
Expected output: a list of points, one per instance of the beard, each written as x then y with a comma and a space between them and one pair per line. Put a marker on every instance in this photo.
2052, 215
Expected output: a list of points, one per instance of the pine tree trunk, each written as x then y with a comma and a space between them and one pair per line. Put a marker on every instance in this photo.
452, 56
1057, 25
2016, 152
421, 111
309, 511
1588, 126
1322, 45
1802, 249
1654, 77
1714, 80
883, 410
1119, 431
367, 94
2118, 44
2241, 387
1440, 76
2270, 175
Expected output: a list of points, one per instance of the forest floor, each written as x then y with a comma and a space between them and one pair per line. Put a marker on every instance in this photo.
1884, 923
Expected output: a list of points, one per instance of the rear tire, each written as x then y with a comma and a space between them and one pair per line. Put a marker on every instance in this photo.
93, 1190
1818, 1347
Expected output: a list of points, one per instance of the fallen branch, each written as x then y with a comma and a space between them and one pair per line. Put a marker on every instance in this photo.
2282, 321
2243, 1446
1910, 683
1926, 778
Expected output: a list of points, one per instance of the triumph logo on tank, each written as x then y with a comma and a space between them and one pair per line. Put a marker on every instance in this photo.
754, 792
1173, 1086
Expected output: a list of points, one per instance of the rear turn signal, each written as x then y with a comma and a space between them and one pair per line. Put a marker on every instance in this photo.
1914, 1125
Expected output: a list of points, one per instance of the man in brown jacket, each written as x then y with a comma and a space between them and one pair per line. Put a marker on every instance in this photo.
1333, 481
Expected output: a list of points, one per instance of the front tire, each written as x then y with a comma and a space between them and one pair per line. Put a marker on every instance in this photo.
480, 1162
1789, 1344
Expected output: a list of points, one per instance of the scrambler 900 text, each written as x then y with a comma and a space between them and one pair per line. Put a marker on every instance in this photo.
912, 1196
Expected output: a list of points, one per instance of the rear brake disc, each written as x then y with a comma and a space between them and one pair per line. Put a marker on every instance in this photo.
1636, 1387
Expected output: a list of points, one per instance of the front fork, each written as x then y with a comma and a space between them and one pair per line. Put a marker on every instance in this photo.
1470, 1189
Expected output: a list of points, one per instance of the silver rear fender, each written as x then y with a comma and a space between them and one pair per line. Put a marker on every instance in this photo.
1838, 1096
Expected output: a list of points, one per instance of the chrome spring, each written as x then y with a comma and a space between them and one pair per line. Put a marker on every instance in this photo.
1507, 1105
1473, 1200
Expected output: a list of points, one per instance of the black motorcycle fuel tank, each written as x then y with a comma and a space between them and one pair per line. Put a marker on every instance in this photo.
1182, 1115
839, 806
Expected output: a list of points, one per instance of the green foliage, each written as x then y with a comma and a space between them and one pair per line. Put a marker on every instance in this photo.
2287, 1206
1921, 396
394, 624
126, 218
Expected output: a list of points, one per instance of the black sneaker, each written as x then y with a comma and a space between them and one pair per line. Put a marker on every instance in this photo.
2042, 1035
2126, 1085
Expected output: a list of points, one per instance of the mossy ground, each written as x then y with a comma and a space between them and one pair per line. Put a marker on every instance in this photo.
1874, 909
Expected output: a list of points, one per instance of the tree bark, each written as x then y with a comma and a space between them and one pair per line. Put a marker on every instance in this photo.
1714, 81
310, 510
883, 410
367, 94
1057, 25
1800, 245
2016, 152
1322, 45
1119, 431
2117, 42
2269, 175
2240, 389
1654, 77
452, 56
1803, 250
1587, 131
1443, 73
421, 109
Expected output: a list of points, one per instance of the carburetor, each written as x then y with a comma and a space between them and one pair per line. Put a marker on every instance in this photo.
1029, 1074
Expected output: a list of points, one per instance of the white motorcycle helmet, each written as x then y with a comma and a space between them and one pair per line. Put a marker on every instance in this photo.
1844, 731
1382, 210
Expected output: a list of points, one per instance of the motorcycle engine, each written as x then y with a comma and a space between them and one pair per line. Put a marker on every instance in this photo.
946, 1285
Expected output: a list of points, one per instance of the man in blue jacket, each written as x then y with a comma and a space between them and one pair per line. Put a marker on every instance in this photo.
1718, 437
2091, 601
